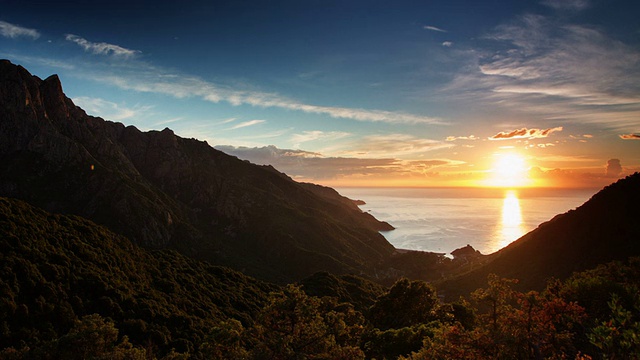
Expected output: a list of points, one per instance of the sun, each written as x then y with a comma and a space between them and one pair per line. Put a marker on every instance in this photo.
509, 170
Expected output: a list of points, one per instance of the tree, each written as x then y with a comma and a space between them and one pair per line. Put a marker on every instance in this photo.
618, 337
297, 326
226, 341
514, 325
406, 304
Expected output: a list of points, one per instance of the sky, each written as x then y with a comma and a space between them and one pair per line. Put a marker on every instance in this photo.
359, 93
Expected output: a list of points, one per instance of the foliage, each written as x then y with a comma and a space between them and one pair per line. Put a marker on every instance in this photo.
359, 292
57, 269
71, 289
515, 325
406, 304
619, 337
296, 326
391, 343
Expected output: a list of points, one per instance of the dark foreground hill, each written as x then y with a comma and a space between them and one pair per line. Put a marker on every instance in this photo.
56, 269
166, 192
603, 229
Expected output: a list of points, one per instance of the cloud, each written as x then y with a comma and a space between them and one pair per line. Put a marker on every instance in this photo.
14, 31
310, 165
153, 80
429, 164
313, 166
398, 145
454, 138
525, 133
433, 28
614, 169
546, 68
447, 44
307, 136
102, 48
630, 136
109, 110
567, 4
247, 124
141, 76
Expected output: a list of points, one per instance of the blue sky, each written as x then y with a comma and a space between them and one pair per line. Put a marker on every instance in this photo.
377, 93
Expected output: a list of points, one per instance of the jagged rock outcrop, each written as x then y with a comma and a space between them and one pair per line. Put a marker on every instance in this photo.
161, 190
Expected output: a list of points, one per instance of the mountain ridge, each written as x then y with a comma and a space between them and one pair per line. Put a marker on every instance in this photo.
164, 191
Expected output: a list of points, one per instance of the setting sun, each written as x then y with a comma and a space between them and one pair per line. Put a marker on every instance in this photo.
509, 170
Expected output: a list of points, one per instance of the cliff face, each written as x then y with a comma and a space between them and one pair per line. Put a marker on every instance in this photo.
163, 191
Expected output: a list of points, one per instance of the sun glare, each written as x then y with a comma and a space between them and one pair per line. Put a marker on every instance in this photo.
509, 170
511, 227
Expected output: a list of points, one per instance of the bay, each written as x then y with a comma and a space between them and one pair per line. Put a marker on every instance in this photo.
445, 219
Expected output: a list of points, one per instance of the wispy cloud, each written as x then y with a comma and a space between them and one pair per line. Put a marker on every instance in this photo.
567, 4
397, 145
102, 48
630, 136
525, 133
154, 80
168, 121
454, 138
109, 110
14, 31
247, 124
447, 44
541, 67
307, 136
226, 121
433, 28
314, 166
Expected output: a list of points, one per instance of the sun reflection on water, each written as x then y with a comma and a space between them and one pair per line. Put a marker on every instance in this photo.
511, 227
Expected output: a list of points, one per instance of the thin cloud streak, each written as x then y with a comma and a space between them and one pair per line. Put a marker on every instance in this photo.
143, 77
433, 28
567, 4
400, 145
13, 31
101, 48
630, 136
109, 110
307, 136
314, 166
247, 124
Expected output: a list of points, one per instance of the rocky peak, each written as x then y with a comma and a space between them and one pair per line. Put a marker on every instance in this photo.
55, 101
161, 190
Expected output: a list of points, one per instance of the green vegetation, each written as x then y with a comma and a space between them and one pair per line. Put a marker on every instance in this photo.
72, 289
57, 269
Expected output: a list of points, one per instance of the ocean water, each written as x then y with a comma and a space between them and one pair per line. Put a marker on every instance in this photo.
442, 220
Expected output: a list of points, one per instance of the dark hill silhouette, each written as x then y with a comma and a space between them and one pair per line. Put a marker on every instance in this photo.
57, 268
603, 229
164, 191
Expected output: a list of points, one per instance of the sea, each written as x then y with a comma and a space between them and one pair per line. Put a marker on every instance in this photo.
444, 219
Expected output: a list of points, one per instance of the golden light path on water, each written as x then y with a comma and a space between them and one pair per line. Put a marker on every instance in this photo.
512, 226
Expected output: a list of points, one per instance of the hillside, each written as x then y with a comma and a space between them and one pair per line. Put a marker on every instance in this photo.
166, 192
71, 289
601, 230
58, 268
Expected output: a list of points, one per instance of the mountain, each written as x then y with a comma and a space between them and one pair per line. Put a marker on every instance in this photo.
167, 192
603, 229
57, 268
